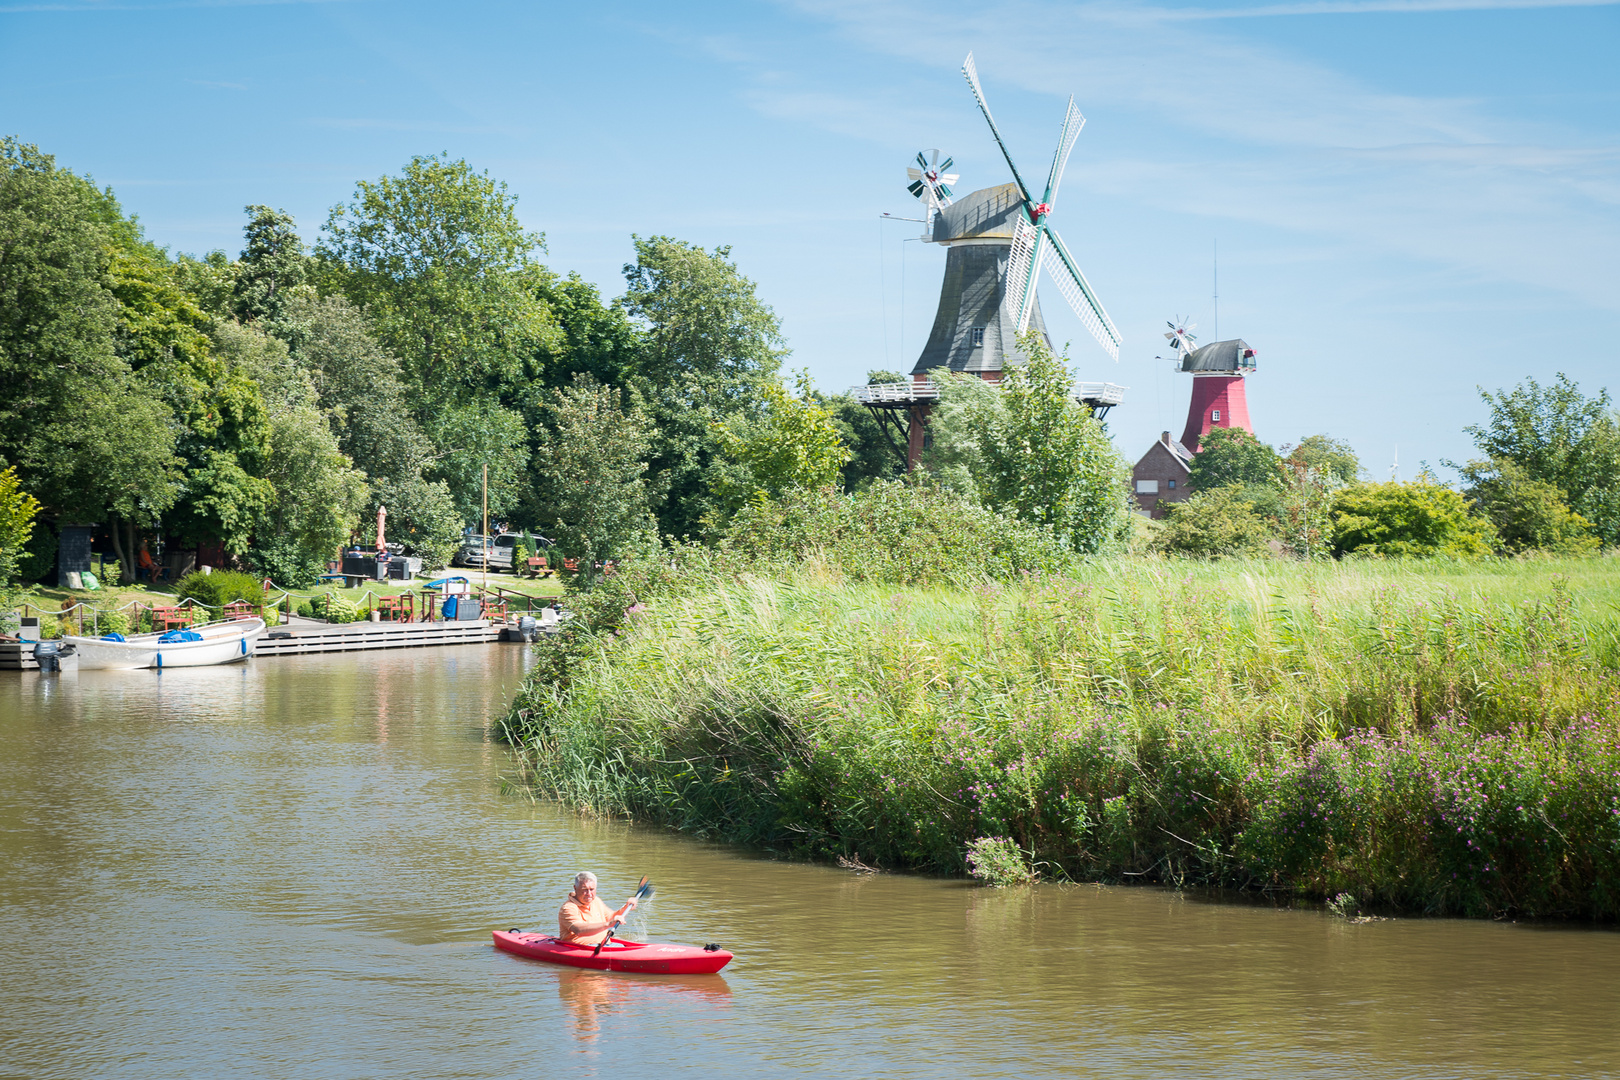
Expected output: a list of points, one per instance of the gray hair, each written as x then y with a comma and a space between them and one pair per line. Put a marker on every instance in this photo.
582, 877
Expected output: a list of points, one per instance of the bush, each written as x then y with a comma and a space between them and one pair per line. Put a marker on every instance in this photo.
1215, 524
1529, 515
285, 563
1416, 519
895, 532
997, 861
215, 590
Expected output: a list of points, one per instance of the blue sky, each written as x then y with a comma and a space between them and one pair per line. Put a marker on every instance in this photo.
1410, 197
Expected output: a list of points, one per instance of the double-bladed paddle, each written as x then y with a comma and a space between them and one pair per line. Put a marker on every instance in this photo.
643, 891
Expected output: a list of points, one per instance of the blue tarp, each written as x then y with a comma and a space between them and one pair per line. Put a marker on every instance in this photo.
175, 637
112, 637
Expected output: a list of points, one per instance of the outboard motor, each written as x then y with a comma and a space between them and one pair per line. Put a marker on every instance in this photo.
48, 655
528, 626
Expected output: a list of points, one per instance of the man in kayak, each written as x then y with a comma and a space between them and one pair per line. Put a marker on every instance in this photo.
583, 919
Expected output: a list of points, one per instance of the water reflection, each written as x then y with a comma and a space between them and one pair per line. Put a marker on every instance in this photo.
593, 997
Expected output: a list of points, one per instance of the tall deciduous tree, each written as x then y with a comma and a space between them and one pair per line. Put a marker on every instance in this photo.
87, 438
711, 346
273, 265
795, 444
594, 459
446, 273
1044, 458
1529, 515
1233, 456
1559, 436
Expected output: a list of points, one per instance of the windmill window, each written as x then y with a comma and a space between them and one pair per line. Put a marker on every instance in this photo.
977, 336
1215, 415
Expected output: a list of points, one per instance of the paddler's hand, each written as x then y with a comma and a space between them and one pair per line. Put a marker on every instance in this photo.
629, 906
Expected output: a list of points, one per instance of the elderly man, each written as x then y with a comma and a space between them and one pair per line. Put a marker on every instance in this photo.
583, 919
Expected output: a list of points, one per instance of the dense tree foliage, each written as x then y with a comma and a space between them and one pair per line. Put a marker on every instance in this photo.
1412, 519
1233, 456
1559, 436
794, 444
1528, 515
1216, 524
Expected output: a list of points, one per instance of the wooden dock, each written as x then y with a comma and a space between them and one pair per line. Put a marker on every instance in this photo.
301, 637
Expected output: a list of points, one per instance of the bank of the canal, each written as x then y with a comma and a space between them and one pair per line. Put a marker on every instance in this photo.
292, 868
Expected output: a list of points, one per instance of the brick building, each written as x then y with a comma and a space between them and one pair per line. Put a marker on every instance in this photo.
1160, 477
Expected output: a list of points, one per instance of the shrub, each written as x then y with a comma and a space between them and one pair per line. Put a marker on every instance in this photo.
1529, 515
998, 862
216, 589
1215, 524
914, 534
1415, 519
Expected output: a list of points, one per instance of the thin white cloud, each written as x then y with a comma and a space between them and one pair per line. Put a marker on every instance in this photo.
1359, 7
1204, 120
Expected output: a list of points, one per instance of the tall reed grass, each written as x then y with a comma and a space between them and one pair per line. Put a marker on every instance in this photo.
1426, 737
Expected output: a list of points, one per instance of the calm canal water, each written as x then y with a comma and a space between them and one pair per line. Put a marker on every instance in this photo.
291, 869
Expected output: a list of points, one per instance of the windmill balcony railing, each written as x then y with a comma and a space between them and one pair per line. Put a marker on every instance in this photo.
1095, 394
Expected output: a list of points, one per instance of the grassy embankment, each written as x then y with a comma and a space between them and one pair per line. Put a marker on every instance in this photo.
1432, 737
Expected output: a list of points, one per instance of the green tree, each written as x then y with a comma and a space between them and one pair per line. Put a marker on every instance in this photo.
1233, 456
1412, 519
795, 444
710, 347
593, 459
1045, 459
313, 492
272, 266
1559, 436
1529, 515
86, 436
438, 259
1327, 455
17, 512
1215, 524
594, 338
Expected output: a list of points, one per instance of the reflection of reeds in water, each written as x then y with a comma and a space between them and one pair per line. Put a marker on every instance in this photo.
1433, 736
594, 996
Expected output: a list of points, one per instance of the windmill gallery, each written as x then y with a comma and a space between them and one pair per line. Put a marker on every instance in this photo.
998, 240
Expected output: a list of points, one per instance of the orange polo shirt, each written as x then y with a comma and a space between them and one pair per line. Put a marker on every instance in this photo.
571, 915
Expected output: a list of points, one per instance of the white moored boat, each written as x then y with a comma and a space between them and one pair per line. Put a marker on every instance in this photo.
215, 643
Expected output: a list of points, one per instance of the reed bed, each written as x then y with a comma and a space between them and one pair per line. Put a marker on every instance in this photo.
1426, 737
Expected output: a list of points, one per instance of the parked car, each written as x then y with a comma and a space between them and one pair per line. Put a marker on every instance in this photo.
499, 550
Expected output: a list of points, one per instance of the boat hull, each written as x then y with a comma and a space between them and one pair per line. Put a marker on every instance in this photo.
616, 955
222, 643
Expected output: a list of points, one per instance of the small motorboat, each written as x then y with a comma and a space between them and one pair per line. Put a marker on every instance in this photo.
617, 955
200, 646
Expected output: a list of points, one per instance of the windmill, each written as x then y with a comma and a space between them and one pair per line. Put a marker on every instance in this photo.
1036, 244
1218, 370
997, 239
931, 181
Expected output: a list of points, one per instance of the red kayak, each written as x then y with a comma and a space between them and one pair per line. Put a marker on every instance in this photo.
616, 955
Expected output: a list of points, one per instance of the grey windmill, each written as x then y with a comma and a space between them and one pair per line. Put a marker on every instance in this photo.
998, 240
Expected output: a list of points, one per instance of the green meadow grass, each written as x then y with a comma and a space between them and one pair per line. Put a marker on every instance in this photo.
1423, 736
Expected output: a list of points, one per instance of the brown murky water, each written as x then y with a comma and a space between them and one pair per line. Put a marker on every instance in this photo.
291, 869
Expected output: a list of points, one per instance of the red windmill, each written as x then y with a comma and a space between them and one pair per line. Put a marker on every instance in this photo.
1218, 370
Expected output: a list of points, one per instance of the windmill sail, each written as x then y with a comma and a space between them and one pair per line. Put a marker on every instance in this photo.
1019, 295
1072, 284
1072, 123
972, 74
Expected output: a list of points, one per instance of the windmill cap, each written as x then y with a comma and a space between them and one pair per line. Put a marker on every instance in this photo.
1220, 357
986, 214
